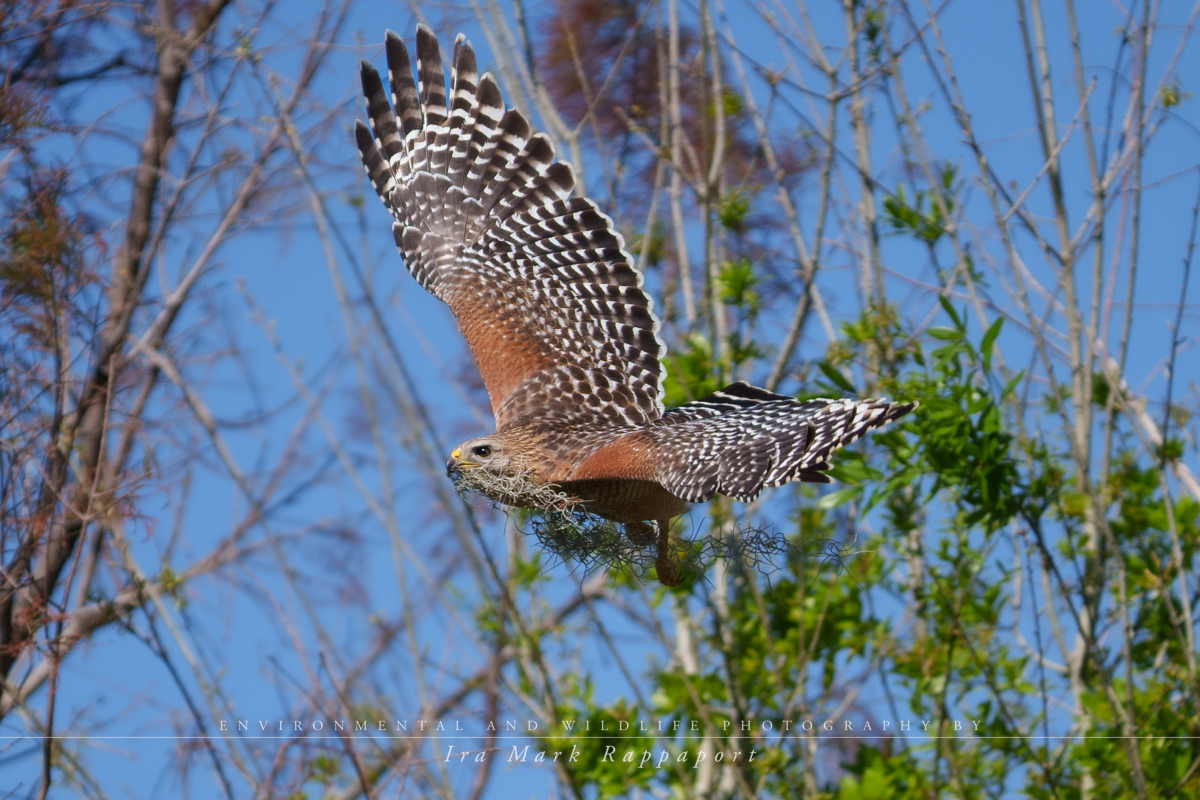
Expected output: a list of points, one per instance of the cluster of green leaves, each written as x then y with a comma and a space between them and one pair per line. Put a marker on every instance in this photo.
733, 209
1141, 527
912, 218
655, 249
692, 371
956, 436
952, 460
737, 285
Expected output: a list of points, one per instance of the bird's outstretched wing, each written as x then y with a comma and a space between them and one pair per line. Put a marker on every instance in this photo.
742, 439
540, 283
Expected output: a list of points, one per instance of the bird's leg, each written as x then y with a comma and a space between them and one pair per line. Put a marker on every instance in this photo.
664, 564
639, 533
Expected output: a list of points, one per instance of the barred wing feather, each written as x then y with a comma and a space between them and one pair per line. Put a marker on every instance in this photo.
539, 282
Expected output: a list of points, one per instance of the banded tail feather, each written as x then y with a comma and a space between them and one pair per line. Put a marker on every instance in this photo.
742, 439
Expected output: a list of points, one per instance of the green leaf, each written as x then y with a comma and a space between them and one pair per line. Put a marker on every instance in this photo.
835, 375
948, 334
854, 471
989, 341
949, 308
1012, 384
838, 498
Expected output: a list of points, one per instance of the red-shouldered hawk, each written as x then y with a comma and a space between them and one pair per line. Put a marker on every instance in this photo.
557, 318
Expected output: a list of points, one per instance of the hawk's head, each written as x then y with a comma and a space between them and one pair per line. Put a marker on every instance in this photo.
498, 467
487, 453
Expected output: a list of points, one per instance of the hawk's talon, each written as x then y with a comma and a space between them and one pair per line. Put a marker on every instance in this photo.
664, 563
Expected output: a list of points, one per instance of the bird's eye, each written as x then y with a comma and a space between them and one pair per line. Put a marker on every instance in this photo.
482, 451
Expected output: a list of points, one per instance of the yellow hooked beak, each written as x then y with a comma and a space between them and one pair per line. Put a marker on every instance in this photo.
455, 461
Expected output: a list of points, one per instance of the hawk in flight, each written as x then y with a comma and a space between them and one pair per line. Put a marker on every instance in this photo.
557, 317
